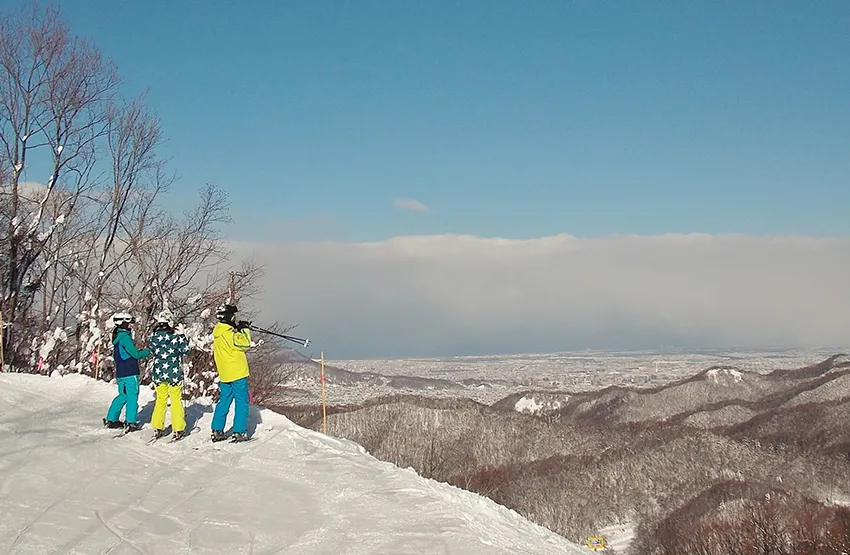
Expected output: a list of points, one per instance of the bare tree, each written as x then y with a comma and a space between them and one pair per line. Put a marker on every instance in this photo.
127, 211
172, 256
53, 93
85, 228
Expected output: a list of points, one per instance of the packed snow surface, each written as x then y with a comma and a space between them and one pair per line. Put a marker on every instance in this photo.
67, 485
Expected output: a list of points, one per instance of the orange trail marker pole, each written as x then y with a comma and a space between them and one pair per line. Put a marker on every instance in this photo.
324, 413
2, 338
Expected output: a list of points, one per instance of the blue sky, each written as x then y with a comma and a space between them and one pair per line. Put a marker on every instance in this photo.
507, 119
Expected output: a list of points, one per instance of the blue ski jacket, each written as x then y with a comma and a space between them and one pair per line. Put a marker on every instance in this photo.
126, 355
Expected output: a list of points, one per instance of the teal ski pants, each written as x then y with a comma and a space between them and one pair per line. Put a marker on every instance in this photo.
128, 394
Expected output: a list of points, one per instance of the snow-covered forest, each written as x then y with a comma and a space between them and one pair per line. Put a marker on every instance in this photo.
747, 455
84, 211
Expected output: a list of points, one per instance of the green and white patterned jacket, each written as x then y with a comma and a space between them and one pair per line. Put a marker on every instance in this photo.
168, 349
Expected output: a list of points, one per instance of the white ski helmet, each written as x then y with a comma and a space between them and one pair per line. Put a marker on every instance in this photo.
123, 318
167, 317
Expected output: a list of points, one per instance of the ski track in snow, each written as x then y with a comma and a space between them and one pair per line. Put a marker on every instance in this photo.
68, 487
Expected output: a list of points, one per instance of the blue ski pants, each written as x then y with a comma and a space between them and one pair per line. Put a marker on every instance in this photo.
128, 394
236, 391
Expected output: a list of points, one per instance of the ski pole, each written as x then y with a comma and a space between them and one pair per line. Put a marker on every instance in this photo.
294, 339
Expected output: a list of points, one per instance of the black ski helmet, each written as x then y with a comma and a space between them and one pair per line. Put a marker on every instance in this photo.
225, 312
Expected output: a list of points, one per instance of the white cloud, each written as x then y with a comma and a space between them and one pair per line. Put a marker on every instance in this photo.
29, 190
447, 294
411, 204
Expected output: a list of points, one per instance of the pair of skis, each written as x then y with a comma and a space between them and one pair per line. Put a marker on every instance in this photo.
216, 445
124, 432
155, 437
232, 439
173, 439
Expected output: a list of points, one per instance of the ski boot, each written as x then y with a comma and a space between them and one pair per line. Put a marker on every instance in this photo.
112, 423
218, 436
178, 435
132, 427
237, 437
157, 433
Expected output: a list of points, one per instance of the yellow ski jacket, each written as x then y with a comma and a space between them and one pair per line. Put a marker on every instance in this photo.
229, 346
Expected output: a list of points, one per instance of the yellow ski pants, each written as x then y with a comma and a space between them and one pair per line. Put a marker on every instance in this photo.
163, 392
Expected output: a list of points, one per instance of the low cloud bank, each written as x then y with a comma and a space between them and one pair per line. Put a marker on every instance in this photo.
456, 294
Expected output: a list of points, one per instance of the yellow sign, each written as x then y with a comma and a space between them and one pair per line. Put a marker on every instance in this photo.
596, 543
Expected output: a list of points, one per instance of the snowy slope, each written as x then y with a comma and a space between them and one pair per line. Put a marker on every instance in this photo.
68, 486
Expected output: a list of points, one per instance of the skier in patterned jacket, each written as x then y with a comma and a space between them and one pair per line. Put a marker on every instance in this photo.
168, 346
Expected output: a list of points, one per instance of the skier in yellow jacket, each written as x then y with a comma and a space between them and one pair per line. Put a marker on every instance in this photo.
230, 341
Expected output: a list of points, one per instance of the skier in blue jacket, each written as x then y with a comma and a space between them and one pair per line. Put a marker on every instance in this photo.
126, 357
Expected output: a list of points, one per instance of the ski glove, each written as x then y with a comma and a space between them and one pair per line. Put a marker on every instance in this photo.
243, 324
